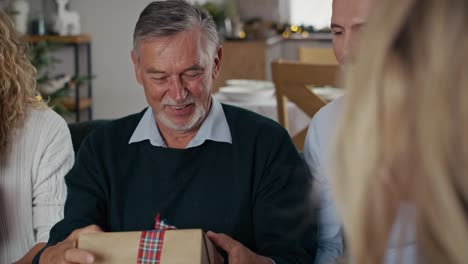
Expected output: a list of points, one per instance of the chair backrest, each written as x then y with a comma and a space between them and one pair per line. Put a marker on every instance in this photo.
80, 130
317, 55
292, 82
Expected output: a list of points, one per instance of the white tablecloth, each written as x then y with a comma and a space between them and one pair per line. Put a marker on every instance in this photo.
298, 120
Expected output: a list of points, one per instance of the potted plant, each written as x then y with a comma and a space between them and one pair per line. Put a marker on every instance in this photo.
54, 87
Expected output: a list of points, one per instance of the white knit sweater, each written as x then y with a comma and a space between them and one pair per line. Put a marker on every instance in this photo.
32, 187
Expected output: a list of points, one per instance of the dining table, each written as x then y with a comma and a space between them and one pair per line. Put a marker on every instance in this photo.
259, 96
267, 107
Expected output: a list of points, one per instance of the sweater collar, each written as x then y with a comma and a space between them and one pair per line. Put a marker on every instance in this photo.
215, 128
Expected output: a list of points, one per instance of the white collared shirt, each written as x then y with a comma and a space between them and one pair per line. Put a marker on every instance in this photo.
214, 128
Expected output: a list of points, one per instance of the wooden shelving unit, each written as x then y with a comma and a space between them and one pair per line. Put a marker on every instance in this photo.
80, 39
80, 102
71, 105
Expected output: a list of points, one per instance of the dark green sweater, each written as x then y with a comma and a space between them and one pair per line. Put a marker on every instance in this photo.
255, 190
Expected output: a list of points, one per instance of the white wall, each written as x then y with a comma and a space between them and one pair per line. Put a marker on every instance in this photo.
311, 12
110, 23
267, 10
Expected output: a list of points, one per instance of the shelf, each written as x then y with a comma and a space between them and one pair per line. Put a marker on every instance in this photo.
69, 103
78, 44
79, 39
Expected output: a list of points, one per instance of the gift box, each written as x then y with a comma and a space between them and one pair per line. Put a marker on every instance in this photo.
181, 246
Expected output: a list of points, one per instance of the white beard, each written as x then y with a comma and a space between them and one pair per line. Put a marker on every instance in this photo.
194, 120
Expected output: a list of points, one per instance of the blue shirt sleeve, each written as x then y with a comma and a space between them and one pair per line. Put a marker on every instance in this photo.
330, 232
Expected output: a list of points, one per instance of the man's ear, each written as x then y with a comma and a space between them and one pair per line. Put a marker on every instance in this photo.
217, 62
136, 66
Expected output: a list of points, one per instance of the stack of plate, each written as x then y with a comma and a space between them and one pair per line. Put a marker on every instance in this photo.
251, 83
247, 90
328, 93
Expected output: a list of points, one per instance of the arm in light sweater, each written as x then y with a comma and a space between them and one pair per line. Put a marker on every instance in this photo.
49, 191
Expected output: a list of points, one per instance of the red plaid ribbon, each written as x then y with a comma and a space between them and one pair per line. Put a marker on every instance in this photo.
151, 243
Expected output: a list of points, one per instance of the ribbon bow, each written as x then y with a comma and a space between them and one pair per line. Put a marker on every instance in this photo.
151, 242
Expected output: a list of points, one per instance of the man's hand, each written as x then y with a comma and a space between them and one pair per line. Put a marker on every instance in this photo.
238, 254
66, 252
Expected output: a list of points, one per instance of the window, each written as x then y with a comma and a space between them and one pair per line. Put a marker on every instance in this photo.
315, 13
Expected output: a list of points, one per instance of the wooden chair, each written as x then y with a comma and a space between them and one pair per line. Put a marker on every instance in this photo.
317, 55
292, 82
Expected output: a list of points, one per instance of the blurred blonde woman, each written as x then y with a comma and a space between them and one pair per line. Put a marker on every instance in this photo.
403, 140
35, 154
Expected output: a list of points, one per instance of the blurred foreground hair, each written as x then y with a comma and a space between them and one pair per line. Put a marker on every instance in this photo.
403, 137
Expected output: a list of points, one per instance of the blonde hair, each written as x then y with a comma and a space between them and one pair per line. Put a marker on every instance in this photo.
403, 136
17, 82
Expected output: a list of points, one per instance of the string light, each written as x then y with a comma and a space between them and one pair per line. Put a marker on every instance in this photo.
242, 34
296, 31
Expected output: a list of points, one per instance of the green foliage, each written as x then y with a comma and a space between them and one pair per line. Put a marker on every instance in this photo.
41, 56
54, 100
230, 9
215, 10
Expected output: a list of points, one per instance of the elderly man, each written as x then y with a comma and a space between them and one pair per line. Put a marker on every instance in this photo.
195, 162
348, 18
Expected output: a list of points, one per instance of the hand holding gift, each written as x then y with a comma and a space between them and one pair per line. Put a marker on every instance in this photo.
67, 251
164, 244
237, 253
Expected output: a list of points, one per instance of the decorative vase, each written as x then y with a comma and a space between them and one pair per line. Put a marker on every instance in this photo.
20, 10
38, 25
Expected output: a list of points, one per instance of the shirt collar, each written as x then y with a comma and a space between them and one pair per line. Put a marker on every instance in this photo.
215, 128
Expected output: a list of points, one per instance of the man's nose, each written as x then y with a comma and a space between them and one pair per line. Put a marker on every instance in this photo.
351, 42
178, 89
347, 47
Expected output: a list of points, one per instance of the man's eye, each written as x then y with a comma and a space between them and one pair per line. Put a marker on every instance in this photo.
337, 32
192, 74
159, 79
